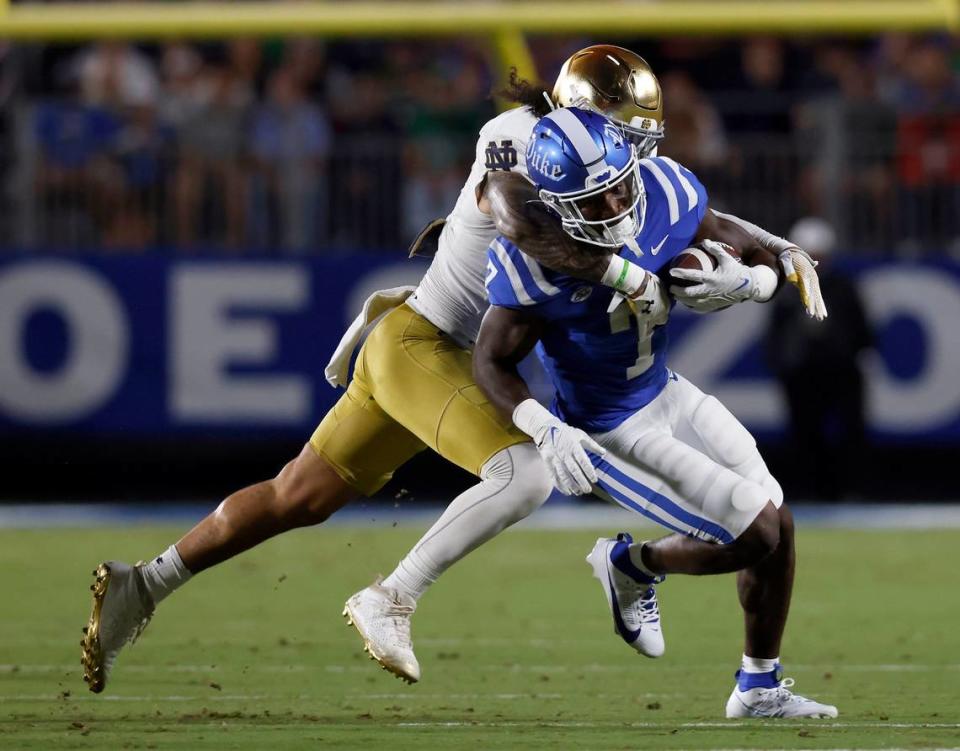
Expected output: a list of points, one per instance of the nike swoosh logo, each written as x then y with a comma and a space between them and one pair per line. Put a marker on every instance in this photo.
656, 248
625, 633
744, 284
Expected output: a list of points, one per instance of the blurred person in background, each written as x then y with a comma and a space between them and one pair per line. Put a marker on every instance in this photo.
181, 70
764, 89
143, 149
306, 59
696, 137
818, 366
847, 134
758, 116
289, 144
245, 60
448, 96
119, 78
114, 74
928, 146
432, 177
77, 182
210, 183
366, 165
81, 179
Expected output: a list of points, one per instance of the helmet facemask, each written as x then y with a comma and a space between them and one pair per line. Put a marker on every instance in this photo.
608, 232
643, 139
642, 132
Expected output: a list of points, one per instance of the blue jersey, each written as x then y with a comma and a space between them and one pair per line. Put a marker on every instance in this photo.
604, 366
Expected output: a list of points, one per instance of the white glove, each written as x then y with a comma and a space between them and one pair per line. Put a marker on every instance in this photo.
731, 282
800, 270
563, 448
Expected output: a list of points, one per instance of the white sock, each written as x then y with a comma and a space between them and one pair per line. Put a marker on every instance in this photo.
414, 574
164, 574
758, 664
513, 484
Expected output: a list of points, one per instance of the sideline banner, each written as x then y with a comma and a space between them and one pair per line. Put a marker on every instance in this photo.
166, 347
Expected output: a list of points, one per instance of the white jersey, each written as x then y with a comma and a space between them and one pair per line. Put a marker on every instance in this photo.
451, 294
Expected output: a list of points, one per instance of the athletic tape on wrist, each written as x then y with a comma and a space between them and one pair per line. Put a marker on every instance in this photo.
532, 417
623, 276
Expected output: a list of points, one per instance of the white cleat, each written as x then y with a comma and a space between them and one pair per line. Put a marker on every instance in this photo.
121, 610
382, 617
777, 702
630, 595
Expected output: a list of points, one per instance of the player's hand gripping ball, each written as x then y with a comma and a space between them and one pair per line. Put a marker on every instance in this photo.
697, 258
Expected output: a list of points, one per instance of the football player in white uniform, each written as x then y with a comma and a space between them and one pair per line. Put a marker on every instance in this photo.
413, 388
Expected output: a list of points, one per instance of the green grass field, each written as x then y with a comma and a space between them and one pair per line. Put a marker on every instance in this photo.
515, 643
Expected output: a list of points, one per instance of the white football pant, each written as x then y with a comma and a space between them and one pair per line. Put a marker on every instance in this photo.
688, 464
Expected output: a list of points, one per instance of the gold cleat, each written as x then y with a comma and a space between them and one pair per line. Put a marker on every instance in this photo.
92, 656
121, 609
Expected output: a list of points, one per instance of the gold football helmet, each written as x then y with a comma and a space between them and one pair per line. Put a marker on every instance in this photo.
617, 83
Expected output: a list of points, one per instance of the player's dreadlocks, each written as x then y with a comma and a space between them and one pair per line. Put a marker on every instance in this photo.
532, 95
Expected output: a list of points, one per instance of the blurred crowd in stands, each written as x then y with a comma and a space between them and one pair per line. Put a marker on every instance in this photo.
306, 146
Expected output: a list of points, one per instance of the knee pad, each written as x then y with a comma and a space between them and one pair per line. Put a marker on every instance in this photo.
774, 491
758, 472
521, 467
722, 434
748, 496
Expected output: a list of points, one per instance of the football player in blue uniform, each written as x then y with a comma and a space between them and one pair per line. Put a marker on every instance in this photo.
623, 424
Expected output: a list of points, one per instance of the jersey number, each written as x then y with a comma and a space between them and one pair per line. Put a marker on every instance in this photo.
620, 321
501, 157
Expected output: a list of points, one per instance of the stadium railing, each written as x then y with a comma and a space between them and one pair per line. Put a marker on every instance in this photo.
375, 191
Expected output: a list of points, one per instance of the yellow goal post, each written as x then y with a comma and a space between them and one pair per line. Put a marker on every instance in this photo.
504, 23
89, 20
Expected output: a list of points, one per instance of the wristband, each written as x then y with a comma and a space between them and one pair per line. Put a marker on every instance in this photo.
765, 282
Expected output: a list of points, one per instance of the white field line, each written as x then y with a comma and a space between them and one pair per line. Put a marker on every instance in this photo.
819, 725
414, 695
159, 640
163, 699
754, 724
834, 667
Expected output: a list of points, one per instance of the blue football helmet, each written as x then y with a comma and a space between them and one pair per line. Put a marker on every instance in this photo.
587, 171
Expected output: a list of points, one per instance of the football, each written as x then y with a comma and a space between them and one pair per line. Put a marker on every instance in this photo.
695, 257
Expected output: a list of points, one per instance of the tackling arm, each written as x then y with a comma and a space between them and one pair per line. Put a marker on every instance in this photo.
518, 213
516, 209
506, 337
